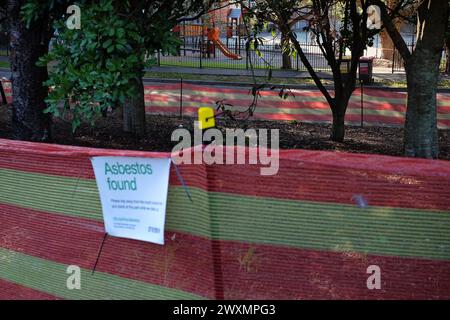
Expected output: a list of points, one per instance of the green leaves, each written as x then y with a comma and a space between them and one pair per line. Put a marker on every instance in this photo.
29, 12
32, 10
107, 44
94, 64
92, 67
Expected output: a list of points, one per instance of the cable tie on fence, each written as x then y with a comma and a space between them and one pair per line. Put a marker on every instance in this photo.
360, 201
78, 179
99, 252
183, 183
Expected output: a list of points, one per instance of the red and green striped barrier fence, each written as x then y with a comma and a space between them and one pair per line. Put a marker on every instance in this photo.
301, 234
380, 106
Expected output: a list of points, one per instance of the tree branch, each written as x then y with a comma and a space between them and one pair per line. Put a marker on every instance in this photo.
395, 35
310, 68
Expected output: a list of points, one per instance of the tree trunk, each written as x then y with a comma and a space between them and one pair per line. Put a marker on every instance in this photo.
27, 45
421, 133
422, 71
287, 63
134, 110
338, 127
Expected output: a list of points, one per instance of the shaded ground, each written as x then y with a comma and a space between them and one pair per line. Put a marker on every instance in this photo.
293, 135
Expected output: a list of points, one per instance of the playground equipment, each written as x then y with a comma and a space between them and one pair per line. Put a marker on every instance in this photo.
214, 36
203, 35
191, 36
235, 28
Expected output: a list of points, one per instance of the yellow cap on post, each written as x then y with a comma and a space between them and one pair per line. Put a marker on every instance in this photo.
206, 118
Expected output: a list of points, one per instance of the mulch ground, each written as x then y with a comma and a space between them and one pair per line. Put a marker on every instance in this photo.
293, 135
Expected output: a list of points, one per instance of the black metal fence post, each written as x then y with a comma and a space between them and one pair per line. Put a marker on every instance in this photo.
181, 98
247, 52
393, 60
362, 103
201, 52
271, 53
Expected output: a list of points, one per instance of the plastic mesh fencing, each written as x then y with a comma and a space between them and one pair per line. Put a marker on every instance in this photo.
311, 231
380, 106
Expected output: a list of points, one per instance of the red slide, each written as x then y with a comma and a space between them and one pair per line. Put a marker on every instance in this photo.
213, 35
226, 51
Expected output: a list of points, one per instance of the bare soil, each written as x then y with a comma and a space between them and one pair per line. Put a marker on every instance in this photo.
293, 135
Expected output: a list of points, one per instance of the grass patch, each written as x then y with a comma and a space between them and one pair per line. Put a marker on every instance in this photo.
224, 64
443, 83
206, 64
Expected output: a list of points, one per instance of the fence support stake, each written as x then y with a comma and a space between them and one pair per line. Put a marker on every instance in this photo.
362, 103
181, 98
